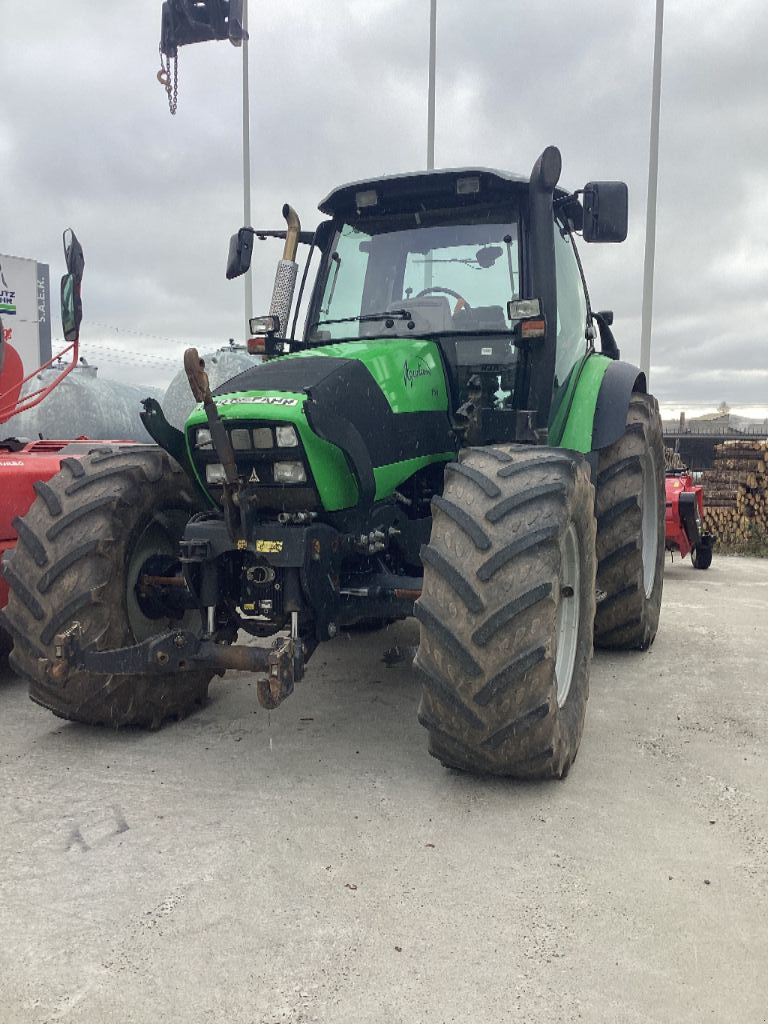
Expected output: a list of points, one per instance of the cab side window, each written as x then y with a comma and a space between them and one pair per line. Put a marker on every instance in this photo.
571, 307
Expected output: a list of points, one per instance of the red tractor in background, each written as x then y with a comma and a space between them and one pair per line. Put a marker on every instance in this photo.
26, 465
683, 530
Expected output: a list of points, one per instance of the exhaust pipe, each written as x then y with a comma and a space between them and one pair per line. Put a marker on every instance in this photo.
292, 234
544, 177
287, 271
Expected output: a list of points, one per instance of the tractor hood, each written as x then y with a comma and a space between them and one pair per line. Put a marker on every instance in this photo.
367, 415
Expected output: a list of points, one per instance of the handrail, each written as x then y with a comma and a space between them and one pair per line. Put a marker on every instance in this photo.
8, 409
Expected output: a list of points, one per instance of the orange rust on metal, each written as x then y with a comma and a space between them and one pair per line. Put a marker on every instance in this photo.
269, 692
240, 659
408, 595
292, 234
57, 671
278, 684
194, 368
162, 581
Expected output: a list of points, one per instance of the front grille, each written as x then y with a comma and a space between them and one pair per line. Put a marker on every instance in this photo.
258, 446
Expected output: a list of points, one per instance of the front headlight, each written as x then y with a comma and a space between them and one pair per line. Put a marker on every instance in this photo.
286, 437
203, 438
214, 473
262, 437
289, 473
241, 439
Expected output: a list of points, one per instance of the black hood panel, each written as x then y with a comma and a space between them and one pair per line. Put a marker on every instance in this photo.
347, 389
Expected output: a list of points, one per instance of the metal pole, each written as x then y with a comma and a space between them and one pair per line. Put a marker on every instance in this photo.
431, 118
431, 98
247, 169
650, 218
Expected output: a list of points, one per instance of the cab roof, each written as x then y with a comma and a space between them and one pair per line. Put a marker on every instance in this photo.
451, 186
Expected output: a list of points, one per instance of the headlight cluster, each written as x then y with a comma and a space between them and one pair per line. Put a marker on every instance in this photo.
289, 473
258, 449
247, 438
214, 473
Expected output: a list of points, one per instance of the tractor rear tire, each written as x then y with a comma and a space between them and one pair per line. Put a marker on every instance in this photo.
507, 611
701, 556
630, 508
80, 549
6, 646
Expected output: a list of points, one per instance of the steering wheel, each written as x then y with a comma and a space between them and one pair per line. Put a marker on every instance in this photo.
461, 303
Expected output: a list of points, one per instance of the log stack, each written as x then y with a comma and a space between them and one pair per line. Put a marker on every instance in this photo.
736, 495
672, 459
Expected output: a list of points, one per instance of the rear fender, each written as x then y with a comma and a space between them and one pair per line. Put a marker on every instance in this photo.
620, 382
593, 411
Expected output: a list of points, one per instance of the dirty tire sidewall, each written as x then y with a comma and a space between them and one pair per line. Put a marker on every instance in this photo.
489, 612
630, 540
70, 565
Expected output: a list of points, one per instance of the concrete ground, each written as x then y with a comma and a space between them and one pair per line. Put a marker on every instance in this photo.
316, 865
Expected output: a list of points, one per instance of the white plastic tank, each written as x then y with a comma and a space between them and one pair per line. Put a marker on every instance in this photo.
83, 404
220, 366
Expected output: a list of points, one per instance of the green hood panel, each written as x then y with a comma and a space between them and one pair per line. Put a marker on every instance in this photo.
409, 371
573, 410
393, 391
335, 483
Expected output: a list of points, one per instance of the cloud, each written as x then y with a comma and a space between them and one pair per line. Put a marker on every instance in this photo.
338, 93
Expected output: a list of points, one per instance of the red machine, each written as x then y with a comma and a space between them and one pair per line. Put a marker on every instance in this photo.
25, 464
22, 465
684, 519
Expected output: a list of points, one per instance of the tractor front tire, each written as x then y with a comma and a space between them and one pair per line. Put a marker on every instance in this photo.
78, 558
507, 611
630, 507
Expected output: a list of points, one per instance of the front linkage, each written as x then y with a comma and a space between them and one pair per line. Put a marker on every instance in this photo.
183, 651
263, 577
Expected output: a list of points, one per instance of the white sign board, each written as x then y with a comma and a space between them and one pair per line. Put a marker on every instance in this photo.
25, 309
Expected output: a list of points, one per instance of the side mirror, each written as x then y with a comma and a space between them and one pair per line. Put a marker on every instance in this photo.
240, 252
73, 255
606, 205
71, 303
71, 308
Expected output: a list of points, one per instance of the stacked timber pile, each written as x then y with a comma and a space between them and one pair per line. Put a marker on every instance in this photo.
736, 494
672, 459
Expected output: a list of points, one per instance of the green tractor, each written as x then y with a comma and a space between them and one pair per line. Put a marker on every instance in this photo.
444, 440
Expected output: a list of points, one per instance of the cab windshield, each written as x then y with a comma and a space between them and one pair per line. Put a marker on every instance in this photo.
435, 272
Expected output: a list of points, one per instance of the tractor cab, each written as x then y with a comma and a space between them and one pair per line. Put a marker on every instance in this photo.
430, 256
480, 262
398, 246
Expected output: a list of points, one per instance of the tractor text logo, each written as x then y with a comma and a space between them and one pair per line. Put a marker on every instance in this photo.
7, 296
410, 373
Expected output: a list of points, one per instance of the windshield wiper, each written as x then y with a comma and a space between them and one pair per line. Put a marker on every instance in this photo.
364, 318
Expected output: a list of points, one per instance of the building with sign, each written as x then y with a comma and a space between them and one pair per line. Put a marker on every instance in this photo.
25, 309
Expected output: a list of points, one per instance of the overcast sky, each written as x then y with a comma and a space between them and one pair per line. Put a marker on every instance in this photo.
338, 92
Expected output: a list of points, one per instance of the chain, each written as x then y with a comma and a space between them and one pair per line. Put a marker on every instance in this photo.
169, 82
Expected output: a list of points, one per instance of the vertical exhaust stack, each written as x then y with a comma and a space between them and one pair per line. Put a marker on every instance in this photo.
287, 270
544, 177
